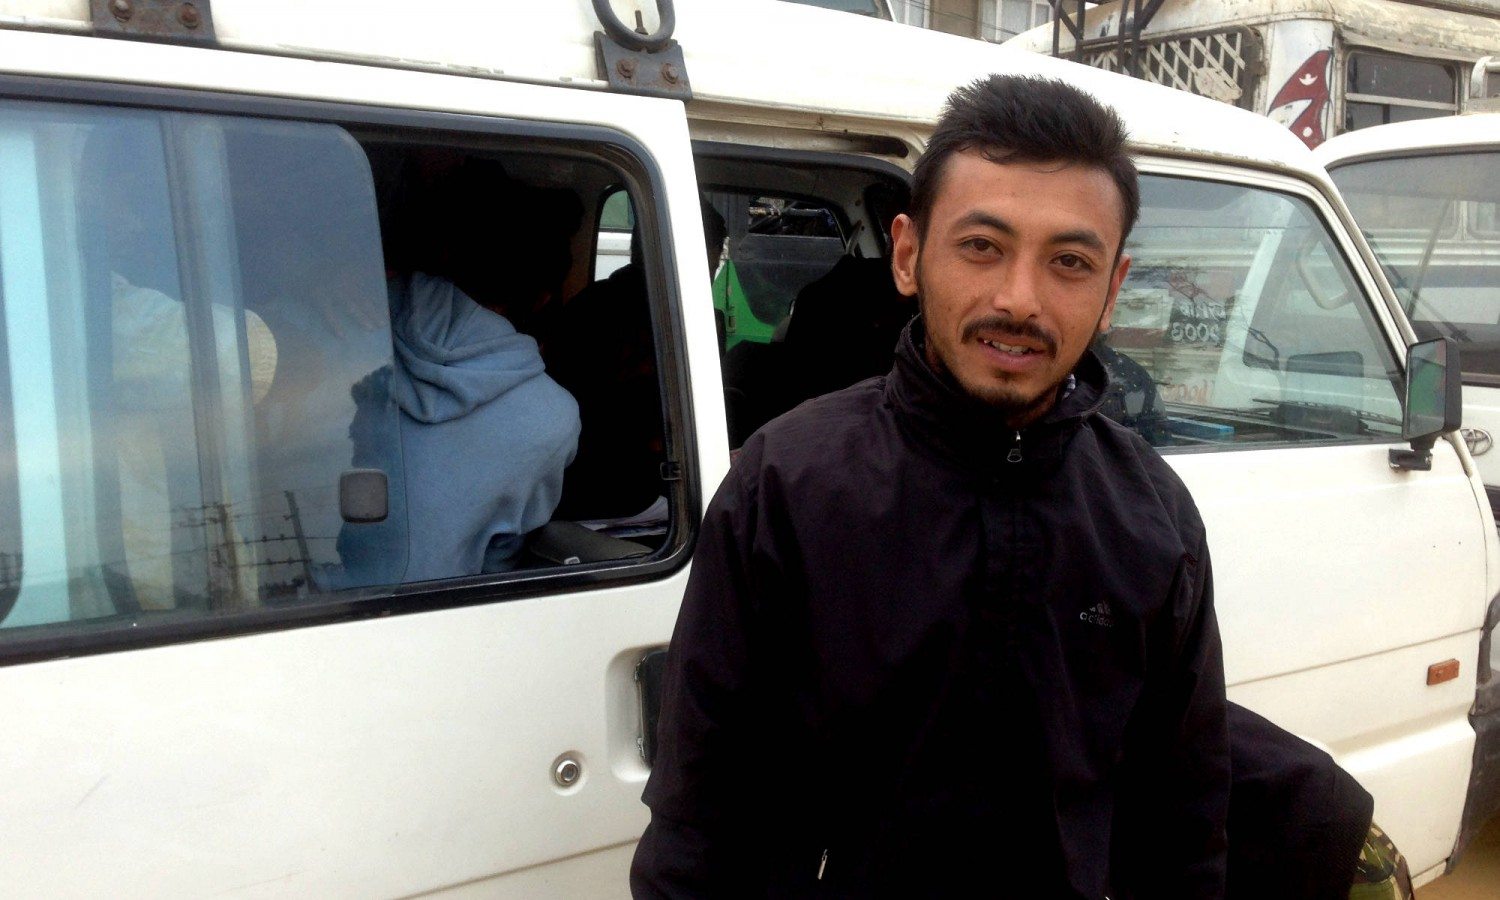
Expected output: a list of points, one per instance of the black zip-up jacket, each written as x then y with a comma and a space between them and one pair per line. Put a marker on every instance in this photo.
923, 654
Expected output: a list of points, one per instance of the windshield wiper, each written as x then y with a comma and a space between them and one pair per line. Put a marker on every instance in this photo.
1323, 418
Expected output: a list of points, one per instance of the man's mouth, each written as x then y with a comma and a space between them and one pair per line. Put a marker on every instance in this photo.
1013, 349
1015, 340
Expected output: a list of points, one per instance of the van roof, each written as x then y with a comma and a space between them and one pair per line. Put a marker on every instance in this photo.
1465, 31
761, 53
1399, 138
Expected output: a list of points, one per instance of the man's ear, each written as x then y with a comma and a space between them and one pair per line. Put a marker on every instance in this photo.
906, 244
1115, 280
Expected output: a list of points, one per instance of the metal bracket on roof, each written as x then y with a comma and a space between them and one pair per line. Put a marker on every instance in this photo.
635, 62
178, 21
1135, 15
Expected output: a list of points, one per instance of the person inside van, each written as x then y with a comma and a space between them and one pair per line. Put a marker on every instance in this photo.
484, 434
600, 347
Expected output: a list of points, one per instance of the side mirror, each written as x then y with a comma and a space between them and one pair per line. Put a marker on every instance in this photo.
1433, 401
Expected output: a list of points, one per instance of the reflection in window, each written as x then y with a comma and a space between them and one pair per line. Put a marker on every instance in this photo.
1241, 324
196, 424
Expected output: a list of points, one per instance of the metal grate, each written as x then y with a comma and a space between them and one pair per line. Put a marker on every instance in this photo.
1221, 65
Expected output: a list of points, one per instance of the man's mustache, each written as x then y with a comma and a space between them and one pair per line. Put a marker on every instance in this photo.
1001, 326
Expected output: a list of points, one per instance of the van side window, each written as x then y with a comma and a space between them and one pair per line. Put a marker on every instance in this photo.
273, 364
1240, 323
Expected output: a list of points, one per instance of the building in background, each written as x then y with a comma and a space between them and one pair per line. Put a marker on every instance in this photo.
876, 9
990, 20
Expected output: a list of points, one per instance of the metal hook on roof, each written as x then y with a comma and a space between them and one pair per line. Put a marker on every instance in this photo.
632, 39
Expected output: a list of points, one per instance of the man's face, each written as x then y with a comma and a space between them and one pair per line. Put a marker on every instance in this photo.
1016, 273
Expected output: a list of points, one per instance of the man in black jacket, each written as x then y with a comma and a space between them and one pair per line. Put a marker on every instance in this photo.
949, 632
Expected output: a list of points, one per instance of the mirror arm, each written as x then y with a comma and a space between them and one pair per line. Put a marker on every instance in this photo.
1417, 458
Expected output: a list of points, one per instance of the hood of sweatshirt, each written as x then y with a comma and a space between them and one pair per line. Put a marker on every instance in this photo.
455, 355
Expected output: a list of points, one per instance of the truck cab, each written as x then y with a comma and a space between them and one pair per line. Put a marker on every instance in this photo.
1318, 67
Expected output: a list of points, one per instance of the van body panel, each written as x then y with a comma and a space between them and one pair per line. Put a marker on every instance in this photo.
1447, 270
1392, 732
1482, 424
1240, 494
818, 83
378, 757
383, 757
594, 874
1405, 138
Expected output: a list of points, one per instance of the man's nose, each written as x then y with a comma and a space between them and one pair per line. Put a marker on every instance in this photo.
1018, 291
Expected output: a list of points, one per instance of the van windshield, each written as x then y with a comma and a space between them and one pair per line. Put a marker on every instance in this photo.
1434, 223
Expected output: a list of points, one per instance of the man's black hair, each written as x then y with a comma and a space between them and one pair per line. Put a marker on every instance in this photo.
1027, 119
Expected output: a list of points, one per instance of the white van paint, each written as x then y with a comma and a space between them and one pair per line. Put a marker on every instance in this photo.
1425, 195
397, 748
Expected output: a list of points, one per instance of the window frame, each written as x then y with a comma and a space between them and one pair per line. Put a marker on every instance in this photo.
639, 172
1326, 215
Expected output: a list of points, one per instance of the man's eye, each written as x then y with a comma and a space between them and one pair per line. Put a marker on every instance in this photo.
979, 245
1073, 261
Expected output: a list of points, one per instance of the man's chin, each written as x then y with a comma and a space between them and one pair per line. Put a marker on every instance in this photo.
1018, 407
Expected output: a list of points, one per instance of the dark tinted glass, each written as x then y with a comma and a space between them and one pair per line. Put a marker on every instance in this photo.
1407, 79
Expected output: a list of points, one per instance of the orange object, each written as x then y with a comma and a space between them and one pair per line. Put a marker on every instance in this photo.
1447, 670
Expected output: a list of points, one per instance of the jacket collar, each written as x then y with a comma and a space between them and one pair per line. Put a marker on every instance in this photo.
940, 413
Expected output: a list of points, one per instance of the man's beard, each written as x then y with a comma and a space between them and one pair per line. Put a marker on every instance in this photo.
1013, 405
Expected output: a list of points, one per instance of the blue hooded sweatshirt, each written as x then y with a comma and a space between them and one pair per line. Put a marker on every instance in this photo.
484, 437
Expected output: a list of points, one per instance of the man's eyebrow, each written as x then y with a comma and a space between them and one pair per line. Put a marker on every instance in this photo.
1085, 236
989, 220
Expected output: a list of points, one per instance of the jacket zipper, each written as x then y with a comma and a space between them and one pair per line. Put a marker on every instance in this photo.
1014, 456
822, 864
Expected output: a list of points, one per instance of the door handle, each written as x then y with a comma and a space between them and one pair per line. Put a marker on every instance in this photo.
648, 677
